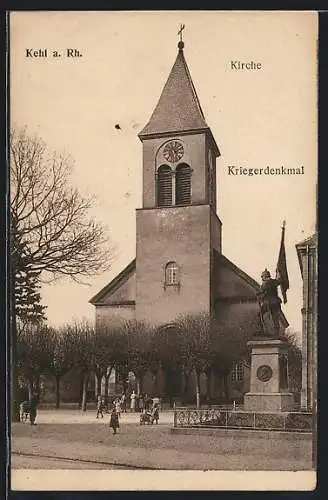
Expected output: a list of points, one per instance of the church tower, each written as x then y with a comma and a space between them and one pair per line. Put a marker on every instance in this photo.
177, 227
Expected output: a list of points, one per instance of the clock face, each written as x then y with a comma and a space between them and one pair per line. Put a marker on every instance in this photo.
173, 151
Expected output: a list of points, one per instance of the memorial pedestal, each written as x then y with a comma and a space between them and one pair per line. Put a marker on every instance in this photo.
269, 377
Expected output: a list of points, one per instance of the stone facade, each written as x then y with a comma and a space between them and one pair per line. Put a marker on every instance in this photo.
307, 252
269, 377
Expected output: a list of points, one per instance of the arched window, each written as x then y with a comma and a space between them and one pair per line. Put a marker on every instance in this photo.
172, 274
164, 186
183, 184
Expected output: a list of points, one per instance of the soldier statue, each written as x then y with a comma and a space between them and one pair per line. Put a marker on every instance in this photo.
269, 302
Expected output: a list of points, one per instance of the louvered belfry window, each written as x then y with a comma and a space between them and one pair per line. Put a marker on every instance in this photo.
183, 184
164, 186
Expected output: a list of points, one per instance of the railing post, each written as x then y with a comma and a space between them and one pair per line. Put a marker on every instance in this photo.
254, 420
226, 419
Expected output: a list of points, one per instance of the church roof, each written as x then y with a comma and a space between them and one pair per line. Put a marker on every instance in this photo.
178, 108
114, 285
231, 282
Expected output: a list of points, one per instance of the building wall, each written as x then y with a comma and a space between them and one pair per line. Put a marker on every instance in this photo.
180, 234
216, 231
308, 254
113, 315
236, 322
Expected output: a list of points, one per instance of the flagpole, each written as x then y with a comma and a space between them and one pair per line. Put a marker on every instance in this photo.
281, 269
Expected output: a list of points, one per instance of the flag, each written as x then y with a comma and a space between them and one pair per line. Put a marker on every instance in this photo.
281, 271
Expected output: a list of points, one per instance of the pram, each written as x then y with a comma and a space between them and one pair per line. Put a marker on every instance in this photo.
24, 410
149, 417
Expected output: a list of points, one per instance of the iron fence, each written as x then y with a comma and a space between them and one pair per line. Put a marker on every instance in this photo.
236, 418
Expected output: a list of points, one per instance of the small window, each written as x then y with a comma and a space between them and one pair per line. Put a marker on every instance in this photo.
237, 373
164, 186
172, 274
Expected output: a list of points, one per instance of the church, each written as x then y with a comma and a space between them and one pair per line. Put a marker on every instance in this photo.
179, 268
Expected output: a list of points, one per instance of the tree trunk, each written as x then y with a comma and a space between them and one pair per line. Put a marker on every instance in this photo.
84, 394
198, 389
186, 384
140, 384
106, 384
226, 388
37, 385
58, 378
155, 373
81, 389
208, 384
30, 389
99, 379
15, 390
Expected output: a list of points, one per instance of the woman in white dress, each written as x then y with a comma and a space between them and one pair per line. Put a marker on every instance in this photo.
133, 401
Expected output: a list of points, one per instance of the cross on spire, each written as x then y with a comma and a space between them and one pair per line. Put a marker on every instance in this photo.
181, 44
182, 27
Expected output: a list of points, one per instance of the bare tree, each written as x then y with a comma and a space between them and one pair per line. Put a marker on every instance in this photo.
83, 338
294, 360
195, 345
138, 337
49, 216
64, 355
110, 351
34, 353
52, 233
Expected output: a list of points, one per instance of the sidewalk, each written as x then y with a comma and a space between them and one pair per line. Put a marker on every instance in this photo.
61, 416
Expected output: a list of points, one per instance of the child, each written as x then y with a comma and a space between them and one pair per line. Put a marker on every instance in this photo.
117, 404
114, 423
155, 413
100, 407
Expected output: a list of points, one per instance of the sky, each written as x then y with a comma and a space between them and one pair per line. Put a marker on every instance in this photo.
259, 118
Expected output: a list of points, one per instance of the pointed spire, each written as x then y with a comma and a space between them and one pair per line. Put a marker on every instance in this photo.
178, 108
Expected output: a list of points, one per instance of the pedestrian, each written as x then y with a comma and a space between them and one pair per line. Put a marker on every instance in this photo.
155, 413
141, 403
133, 401
123, 403
33, 408
148, 402
117, 404
100, 406
114, 421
